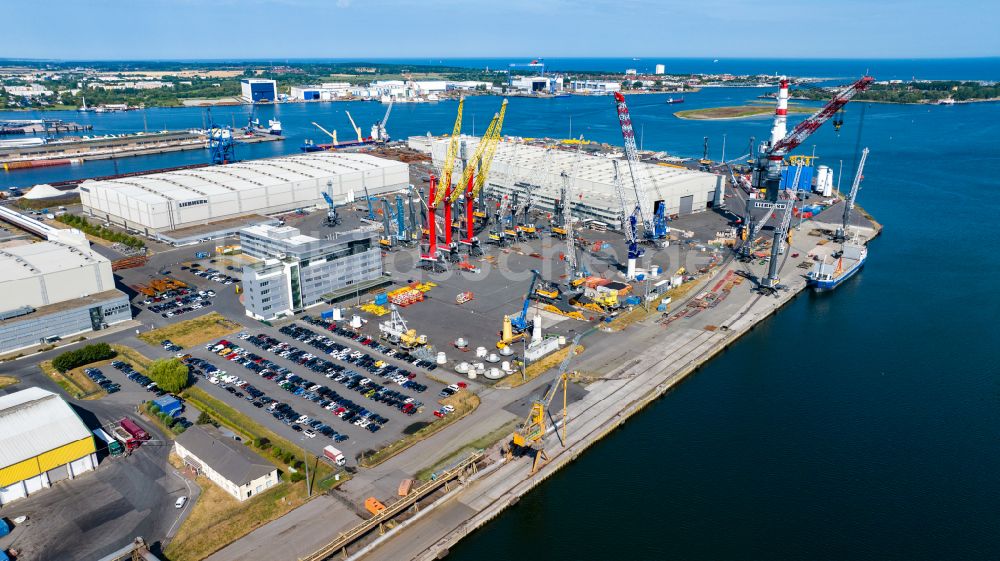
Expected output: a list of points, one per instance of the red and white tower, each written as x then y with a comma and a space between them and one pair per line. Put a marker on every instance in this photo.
780, 128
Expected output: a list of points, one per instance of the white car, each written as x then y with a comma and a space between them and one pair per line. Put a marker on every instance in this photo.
213, 380
303, 419
181, 501
448, 408
309, 433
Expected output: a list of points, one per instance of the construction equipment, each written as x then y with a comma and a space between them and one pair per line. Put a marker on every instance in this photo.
386, 241
474, 182
379, 133
628, 224
332, 218
396, 331
438, 195
520, 322
704, 161
530, 436
766, 166
400, 221
368, 199
357, 129
431, 259
841, 233
332, 135
655, 233
547, 292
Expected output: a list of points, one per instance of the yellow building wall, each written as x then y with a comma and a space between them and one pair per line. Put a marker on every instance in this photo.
53, 458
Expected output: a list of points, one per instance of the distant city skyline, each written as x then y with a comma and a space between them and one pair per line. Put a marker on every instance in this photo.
295, 29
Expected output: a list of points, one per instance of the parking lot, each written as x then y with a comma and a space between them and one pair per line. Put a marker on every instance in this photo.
319, 387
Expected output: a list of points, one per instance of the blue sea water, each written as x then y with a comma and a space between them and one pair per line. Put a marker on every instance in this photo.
859, 424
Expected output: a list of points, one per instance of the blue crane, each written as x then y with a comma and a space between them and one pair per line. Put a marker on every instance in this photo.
400, 219
520, 322
332, 218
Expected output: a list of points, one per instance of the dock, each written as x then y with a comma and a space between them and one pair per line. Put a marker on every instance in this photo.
41, 127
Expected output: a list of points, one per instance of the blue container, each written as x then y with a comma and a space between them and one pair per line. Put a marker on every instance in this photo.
788, 178
169, 405
327, 314
4, 530
381, 299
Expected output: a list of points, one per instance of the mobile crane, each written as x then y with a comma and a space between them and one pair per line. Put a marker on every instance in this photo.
332, 218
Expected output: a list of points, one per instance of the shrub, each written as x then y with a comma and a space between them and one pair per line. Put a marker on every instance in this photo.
84, 355
262, 443
204, 419
287, 457
297, 476
178, 428
170, 374
152, 408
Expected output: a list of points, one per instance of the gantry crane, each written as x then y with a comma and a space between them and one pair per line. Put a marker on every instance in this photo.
629, 224
473, 181
654, 228
531, 434
841, 233
766, 173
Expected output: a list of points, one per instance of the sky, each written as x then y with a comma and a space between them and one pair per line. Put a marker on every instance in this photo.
277, 29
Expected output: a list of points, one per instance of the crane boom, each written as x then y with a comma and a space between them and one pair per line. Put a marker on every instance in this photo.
849, 203
632, 154
484, 153
356, 128
804, 129
490, 152
332, 135
449, 159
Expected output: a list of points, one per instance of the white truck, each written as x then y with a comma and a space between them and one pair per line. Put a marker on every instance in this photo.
334, 455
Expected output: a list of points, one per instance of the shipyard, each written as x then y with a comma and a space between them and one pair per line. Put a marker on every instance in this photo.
404, 335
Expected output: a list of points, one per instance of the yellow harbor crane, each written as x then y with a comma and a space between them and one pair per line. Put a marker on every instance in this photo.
357, 129
484, 153
531, 434
332, 135
449, 159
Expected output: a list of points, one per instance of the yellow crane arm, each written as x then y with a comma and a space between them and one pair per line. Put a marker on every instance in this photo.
356, 128
484, 153
449, 159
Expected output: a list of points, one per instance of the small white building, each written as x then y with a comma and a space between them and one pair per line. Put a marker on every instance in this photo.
227, 463
321, 92
595, 86
660, 69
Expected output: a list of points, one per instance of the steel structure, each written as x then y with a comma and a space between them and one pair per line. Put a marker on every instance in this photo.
520, 322
841, 233
379, 132
332, 218
632, 155
357, 129
473, 181
629, 225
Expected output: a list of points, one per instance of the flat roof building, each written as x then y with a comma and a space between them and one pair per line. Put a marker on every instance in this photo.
297, 271
42, 441
53, 289
227, 463
161, 202
519, 166
255, 90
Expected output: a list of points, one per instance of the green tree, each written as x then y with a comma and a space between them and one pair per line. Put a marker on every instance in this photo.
170, 374
204, 419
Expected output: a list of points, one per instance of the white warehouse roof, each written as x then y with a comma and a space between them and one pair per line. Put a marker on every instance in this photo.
35, 421
177, 199
25, 261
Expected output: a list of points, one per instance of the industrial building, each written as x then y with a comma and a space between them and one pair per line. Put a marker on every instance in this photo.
297, 271
166, 201
537, 84
54, 289
227, 463
595, 86
518, 166
321, 92
255, 90
43, 441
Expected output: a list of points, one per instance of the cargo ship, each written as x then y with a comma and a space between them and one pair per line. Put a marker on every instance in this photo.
672, 100
828, 276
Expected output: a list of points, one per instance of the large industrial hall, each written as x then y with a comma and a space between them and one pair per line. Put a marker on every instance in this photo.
173, 200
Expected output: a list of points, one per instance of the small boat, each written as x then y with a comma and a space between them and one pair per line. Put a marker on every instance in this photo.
274, 127
828, 276
672, 100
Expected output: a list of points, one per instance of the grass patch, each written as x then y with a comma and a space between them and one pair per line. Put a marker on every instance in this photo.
51, 203
537, 368
255, 433
133, 357
494, 436
7, 381
74, 382
464, 402
217, 519
735, 112
193, 332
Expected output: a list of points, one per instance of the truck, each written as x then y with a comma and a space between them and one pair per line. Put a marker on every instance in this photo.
335, 456
133, 429
123, 436
115, 448
201, 255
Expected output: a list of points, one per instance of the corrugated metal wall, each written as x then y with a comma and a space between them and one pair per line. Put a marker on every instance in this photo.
53, 458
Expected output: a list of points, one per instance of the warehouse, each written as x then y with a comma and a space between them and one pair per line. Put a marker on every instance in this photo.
43, 441
166, 201
591, 177
254, 90
229, 464
54, 289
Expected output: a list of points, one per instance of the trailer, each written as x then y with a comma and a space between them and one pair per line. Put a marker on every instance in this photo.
334, 455
115, 448
125, 438
133, 429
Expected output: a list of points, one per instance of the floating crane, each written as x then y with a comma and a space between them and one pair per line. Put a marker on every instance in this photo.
531, 434
766, 168
357, 129
332, 218
841, 233
629, 224
653, 229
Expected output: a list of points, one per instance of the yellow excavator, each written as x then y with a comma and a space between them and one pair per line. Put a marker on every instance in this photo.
530, 436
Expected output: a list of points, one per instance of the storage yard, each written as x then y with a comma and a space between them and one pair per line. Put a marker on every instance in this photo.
475, 320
